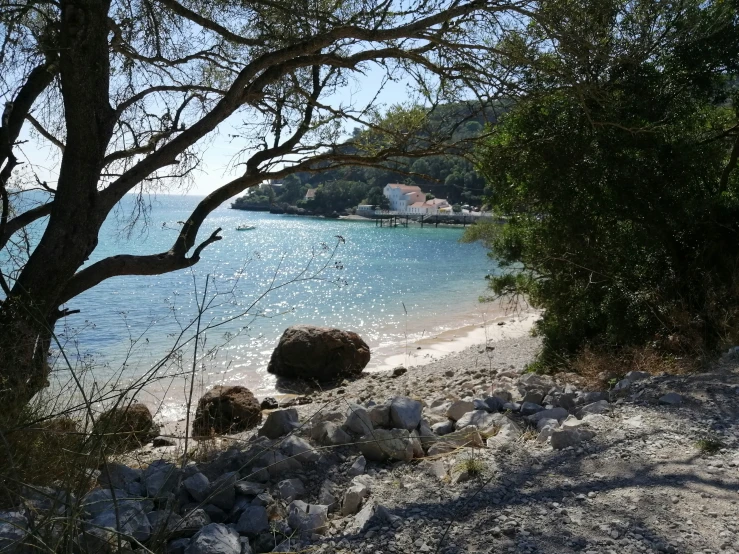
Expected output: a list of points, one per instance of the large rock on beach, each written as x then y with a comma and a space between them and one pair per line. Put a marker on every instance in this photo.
319, 353
126, 426
226, 410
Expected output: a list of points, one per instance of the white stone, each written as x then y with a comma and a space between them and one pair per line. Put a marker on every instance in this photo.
215, 538
459, 408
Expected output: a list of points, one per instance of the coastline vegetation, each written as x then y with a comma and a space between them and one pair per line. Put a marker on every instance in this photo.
617, 177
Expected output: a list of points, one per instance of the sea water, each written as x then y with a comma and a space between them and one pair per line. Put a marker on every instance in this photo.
389, 284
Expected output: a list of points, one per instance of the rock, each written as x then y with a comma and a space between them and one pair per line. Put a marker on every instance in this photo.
585, 398
529, 408
502, 394
415, 439
435, 468
164, 523
297, 401
126, 427
459, 408
544, 423
253, 521
567, 400
127, 518
467, 437
223, 491
262, 499
226, 409
622, 387
559, 414
599, 407
479, 418
319, 353
491, 404
569, 437
161, 441
95, 540
353, 499
177, 546
507, 431
216, 514
198, 486
98, 501
572, 422
671, 399
215, 538
635, 376
358, 419
533, 397
327, 433
329, 495
192, 522
405, 413
13, 531
279, 423
443, 428
300, 449
277, 464
310, 518
269, 403
380, 415
357, 467
383, 444
290, 489
245, 546
249, 488
120, 476
426, 435
398, 371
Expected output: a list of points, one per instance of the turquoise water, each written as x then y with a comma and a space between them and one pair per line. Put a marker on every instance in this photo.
385, 283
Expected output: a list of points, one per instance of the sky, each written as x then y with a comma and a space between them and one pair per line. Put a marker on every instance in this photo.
217, 168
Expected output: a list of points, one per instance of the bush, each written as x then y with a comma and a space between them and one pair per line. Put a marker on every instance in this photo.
616, 177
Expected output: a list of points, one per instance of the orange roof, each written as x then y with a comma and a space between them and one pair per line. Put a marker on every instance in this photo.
405, 188
310, 193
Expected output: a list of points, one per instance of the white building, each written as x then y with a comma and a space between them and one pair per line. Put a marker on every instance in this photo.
430, 207
402, 196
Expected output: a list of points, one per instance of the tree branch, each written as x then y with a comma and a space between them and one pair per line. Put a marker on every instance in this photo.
126, 264
20, 221
44, 133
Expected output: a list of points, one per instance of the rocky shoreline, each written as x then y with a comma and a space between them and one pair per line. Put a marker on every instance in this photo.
468, 454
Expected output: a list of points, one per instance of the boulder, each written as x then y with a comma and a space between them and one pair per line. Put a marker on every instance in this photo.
249, 488
443, 428
290, 489
405, 413
358, 467
223, 491
383, 444
93, 540
318, 353
559, 414
329, 495
380, 415
534, 397
215, 538
459, 408
529, 408
479, 418
127, 518
225, 410
160, 478
416, 444
13, 531
634, 376
120, 476
126, 427
300, 449
358, 419
671, 399
308, 518
279, 423
570, 437
426, 435
353, 498
327, 433
276, 463
491, 404
98, 501
253, 521
177, 546
599, 407
192, 522
269, 403
198, 486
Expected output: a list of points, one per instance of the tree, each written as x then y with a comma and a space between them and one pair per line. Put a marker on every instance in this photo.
128, 93
376, 197
617, 176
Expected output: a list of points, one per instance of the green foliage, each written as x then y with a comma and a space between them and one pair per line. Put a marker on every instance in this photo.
377, 198
616, 176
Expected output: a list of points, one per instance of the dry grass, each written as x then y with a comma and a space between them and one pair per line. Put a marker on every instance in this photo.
597, 368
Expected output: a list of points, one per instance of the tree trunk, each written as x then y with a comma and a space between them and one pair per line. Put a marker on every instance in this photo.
28, 315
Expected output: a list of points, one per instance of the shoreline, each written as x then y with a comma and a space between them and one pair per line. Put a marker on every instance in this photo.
500, 326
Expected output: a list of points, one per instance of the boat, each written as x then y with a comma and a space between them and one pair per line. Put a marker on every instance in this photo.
245, 227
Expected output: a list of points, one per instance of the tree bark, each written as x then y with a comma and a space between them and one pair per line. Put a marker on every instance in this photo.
28, 315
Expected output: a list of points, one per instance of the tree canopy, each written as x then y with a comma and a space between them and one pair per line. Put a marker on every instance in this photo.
616, 175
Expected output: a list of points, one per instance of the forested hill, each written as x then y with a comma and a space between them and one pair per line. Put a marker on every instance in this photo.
444, 176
